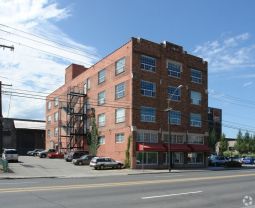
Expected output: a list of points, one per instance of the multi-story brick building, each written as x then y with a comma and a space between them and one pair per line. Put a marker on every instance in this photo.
139, 93
215, 121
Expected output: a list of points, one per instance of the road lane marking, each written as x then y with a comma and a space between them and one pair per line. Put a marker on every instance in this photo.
169, 195
16, 183
120, 184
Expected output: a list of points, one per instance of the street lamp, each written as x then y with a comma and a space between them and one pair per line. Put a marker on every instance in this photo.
168, 127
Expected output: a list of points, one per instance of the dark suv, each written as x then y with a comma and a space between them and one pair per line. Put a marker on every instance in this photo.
75, 154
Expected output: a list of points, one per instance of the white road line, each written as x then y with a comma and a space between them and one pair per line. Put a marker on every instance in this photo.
167, 176
16, 183
169, 195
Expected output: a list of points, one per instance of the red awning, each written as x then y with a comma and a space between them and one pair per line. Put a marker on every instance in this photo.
178, 148
199, 148
151, 147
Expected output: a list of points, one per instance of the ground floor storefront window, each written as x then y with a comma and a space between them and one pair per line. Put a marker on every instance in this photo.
195, 158
147, 158
176, 157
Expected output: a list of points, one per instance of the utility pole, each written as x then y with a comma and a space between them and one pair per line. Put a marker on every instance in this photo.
1, 113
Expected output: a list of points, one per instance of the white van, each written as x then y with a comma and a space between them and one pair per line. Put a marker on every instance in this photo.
10, 155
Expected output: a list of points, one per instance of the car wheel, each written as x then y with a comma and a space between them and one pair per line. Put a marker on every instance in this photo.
80, 163
119, 166
101, 167
43, 156
95, 168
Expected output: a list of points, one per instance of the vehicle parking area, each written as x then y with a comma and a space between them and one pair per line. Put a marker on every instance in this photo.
29, 166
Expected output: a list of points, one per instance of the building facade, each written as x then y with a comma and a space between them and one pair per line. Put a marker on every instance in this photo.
139, 95
215, 121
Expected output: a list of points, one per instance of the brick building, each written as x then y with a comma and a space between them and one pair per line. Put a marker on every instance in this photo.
130, 92
215, 121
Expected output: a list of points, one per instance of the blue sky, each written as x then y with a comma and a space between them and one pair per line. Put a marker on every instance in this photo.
221, 32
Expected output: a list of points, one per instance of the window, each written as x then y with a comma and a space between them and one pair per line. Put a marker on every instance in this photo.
195, 119
196, 76
56, 101
148, 88
174, 93
49, 105
148, 114
195, 158
85, 88
147, 158
101, 120
101, 140
174, 69
175, 139
120, 115
48, 133
101, 98
120, 90
55, 116
196, 139
101, 76
177, 157
48, 119
148, 63
174, 117
195, 97
88, 83
119, 138
148, 137
55, 132
120, 66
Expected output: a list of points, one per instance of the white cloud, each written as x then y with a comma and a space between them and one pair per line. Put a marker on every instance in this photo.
228, 53
31, 69
247, 84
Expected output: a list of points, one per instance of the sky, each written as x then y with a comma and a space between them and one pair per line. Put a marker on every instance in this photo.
48, 35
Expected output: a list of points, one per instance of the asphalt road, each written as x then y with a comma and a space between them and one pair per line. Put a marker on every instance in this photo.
189, 189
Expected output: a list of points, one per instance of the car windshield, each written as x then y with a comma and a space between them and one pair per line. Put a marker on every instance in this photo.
11, 152
84, 157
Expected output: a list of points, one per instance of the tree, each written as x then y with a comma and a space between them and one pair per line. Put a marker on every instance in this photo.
212, 140
240, 144
93, 141
127, 153
223, 144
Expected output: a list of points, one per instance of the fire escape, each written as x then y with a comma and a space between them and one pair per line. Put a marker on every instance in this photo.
74, 122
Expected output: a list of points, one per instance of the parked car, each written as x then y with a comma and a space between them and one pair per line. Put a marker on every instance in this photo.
83, 160
248, 160
55, 155
233, 162
34, 152
10, 155
105, 162
44, 153
75, 154
217, 160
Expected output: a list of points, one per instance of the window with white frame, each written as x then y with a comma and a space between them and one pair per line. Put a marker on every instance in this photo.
120, 66
101, 76
175, 138
49, 105
195, 158
177, 157
148, 88
55, 132
148, 114
174, 93
148, 63
196, 139
85, 88
101, 98
55, 116
56, 101
174, 69
88, 83
120, 90
48, 119
148, 137
174, 117
101, 140
196, 76
101, 120
147, 158
119, 138
48, 133
195, 97
195, 119
119, 115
